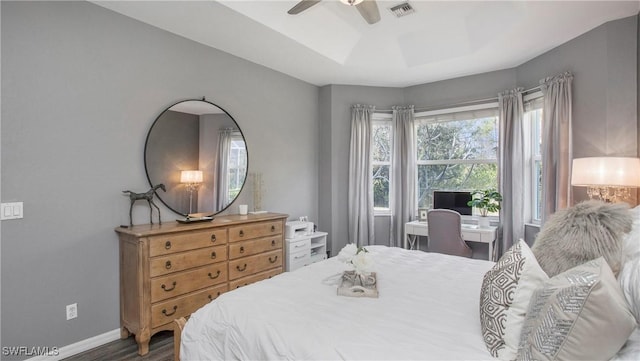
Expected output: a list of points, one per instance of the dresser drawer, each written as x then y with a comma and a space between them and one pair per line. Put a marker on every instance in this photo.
165, 312
181, 261
254, 278
254, 230
245, 266
249, 248
176, 284
180, 242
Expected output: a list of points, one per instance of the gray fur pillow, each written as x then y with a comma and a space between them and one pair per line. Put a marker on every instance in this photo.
581, 233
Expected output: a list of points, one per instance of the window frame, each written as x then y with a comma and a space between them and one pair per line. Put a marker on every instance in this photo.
377, 119
420, 119
533, 135
235, 138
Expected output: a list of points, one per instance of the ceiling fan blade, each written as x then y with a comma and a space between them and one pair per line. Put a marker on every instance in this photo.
302, 6
369, 11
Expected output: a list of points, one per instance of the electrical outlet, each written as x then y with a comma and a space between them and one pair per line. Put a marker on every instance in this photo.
72, 311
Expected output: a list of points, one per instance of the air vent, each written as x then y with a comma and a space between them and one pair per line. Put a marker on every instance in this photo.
402, 10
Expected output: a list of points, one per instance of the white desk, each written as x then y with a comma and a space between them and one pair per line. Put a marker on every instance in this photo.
470, 232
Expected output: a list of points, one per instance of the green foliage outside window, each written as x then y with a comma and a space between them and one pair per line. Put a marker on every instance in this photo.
456, 155
451, 155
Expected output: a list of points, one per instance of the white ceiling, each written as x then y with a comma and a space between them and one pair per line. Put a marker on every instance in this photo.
330, 43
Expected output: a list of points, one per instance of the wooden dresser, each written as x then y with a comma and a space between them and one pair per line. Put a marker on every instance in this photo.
168, 271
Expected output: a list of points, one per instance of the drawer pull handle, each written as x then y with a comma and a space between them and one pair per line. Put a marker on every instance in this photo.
167, 265
164, 287
213, 255
242, 249
299, 245
167, 245
298, 257
273, 243
164, 311
214, 277
211, 298
273, 228
273, 260
241, 269
213, 238
241, 233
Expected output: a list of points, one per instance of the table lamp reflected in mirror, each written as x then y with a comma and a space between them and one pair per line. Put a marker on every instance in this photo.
192, 179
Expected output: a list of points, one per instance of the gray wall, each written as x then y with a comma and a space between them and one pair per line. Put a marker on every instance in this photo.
604, 63
336, 126
81, 86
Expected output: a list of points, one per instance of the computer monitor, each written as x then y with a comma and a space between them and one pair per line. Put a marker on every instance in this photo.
456, 201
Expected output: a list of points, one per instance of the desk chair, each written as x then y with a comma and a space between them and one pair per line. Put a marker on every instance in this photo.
445, 233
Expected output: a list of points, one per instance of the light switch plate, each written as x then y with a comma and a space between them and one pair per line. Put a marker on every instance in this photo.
13, 210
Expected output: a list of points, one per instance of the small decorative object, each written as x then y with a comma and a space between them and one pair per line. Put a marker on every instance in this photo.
243, 209
359, 282
148, 196
485, 201
195, 217
422, 214
257, 192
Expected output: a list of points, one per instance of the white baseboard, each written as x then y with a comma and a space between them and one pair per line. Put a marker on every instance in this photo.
81, 346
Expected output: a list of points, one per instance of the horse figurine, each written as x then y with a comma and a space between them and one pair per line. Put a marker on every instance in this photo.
148, 196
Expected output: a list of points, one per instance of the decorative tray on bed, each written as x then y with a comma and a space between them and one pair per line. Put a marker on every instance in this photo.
354, 285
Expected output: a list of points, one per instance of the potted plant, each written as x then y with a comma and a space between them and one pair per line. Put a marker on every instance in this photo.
485, 201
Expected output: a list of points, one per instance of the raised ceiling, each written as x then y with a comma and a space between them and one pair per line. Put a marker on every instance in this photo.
330, 43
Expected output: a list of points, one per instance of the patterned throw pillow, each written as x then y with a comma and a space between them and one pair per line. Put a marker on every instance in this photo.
504, 299
579, 314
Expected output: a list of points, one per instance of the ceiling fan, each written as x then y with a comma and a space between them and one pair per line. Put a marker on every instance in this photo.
367, 8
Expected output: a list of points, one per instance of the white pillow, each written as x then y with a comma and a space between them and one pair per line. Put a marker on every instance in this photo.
631, 349
579, 314
629, 276
629, 279
504, 299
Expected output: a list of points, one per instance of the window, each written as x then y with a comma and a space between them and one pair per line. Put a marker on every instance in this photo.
533, 154
456, 151
237, 164
381, 163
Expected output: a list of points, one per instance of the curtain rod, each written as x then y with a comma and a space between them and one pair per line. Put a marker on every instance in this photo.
494, 99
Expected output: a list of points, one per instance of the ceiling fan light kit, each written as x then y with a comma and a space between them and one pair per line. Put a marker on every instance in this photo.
351, 2
368, 9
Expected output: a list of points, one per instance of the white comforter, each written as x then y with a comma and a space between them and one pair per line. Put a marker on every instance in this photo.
428, 308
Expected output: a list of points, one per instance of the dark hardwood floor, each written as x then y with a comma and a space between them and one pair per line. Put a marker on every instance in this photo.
160, 349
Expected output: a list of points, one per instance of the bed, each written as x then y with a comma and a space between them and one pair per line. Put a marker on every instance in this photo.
427, 309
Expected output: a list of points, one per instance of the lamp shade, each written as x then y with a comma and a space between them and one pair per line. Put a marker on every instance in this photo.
606, 171
191, 176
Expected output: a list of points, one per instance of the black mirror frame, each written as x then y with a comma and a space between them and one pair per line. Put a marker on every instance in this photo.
159, 196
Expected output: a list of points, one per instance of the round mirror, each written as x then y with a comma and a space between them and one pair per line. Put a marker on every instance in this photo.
196, 149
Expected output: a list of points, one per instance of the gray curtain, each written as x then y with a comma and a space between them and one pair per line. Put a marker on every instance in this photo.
511, 168
556, 143
403, 173
360, 188
222, 182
